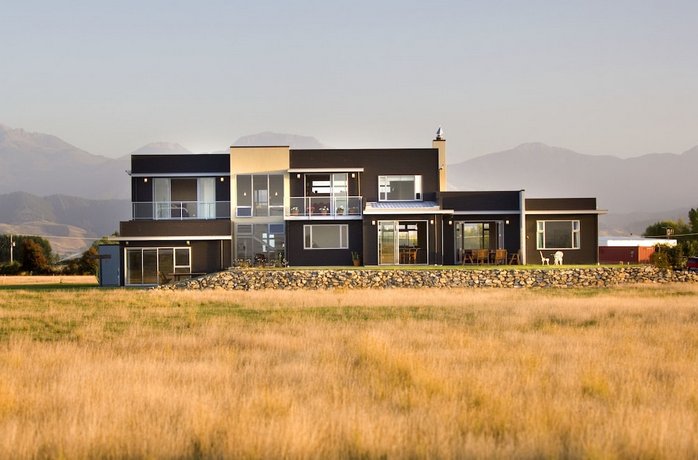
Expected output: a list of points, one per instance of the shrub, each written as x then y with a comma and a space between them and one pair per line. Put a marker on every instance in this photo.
10, 269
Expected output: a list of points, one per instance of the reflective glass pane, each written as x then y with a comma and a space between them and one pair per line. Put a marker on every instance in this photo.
150, 266
134, 266
244, 190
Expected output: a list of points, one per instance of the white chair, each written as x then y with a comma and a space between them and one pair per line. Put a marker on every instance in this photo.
544, 260
558, 257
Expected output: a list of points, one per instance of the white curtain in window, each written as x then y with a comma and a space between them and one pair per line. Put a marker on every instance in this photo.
161, 198
207, 197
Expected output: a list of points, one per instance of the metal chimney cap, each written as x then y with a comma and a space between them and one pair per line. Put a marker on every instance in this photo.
440, 134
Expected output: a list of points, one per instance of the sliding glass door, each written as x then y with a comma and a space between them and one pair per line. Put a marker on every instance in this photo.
387, 250
402, 242
146, 266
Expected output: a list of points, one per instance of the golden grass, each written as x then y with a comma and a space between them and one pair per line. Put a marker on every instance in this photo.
394, 373
47, 279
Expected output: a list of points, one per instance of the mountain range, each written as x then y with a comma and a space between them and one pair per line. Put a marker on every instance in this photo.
50, 187
43, 165
645, 183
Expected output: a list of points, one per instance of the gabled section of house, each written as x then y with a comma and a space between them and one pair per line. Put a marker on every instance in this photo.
180, 222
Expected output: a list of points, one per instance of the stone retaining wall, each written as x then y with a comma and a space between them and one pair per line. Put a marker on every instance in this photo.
254, 279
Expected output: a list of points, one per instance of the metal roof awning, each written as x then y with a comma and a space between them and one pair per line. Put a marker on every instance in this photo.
324, 170
405, 207
171, 238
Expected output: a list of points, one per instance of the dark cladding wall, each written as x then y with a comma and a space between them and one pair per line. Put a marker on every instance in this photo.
297, 255
559, 204
482, 201
180, 164
175, 228
223, 189
588, 252
512, 232
376, 162
370, 240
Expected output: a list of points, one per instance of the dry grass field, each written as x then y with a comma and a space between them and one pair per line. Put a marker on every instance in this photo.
47, 280
89, 373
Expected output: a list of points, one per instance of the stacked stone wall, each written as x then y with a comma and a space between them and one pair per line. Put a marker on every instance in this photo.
255, 279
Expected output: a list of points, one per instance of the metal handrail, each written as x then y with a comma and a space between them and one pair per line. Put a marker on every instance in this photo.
180, 210
320, 206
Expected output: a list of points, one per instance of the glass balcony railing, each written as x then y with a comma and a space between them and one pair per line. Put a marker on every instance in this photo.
180, 210
329, 206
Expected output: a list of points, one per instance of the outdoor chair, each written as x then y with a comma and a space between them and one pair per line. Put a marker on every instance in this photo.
164, 279
467, 256
482, 256
515, 258
558, 257
500, 257
544, 260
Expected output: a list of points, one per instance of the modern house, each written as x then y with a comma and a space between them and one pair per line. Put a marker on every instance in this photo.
203, 213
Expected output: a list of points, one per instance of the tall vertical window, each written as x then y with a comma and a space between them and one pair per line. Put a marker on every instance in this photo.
557, 234
244, 195
400, 188
260, 195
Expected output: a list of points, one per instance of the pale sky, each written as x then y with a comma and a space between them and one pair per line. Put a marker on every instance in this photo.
598, 77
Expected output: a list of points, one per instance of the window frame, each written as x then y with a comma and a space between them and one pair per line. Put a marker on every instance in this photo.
575, 234
273, 205
176, 268
383, 194
343, 230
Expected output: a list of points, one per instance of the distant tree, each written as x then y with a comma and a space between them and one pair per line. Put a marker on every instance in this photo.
19, 247
34, 257
659, 229
11, 269
682, 232
88, 263
693, 220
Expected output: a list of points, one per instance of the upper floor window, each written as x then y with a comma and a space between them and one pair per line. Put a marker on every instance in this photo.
557, 234
335, 184
400, 188
260, 195
185, 198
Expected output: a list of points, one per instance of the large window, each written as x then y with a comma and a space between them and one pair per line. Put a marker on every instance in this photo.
185, 198
557, 234
326, 236
148, 265
400, 188
255, 239
260, 195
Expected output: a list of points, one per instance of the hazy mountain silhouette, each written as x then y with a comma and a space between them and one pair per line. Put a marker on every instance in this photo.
268, 138
73, 220
44, 165
648, 183
161, 147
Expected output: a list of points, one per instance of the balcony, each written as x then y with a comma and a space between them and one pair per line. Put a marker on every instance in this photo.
325, 207
180, 210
